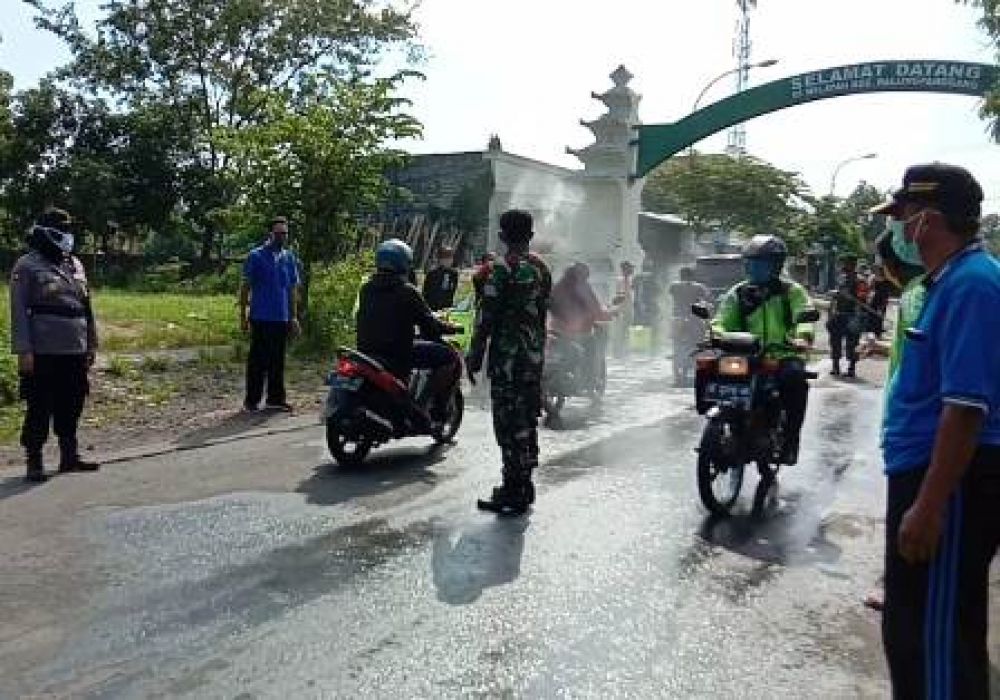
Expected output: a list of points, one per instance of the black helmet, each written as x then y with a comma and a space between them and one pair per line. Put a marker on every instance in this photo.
765, 246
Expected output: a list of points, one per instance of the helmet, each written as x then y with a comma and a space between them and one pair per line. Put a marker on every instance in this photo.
764, 257
765, 247
394, 256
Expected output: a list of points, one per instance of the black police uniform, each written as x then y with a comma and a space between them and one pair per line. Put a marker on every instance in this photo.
52, 319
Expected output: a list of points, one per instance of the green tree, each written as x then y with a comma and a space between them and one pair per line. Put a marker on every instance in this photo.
990, 23
741, 194
854, 210
320, 161
215, 67
990, 228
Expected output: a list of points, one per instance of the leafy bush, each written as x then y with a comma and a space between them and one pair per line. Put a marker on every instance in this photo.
333, 293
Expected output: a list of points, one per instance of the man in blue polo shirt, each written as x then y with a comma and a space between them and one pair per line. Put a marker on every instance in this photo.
941, 445
270, 281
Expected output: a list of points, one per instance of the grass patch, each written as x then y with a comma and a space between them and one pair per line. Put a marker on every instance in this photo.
132, 321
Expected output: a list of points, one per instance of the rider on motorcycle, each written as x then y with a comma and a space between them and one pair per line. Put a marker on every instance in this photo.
765, 304
389, 310
575, 311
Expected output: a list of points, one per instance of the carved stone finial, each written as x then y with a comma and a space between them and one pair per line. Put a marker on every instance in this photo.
621, 77
494, 144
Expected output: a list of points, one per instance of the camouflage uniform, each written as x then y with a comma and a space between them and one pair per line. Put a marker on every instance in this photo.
512, 317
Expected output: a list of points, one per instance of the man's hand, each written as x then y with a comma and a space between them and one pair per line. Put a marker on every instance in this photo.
244, 323
91, 359
294, 328
26, 363
919, 533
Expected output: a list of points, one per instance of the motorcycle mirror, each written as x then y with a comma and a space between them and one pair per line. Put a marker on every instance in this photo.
807, 316
701, 311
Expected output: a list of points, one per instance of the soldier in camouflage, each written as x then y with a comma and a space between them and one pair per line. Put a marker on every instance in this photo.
516, 289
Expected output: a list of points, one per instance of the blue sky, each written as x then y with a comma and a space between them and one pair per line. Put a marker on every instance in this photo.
525, 69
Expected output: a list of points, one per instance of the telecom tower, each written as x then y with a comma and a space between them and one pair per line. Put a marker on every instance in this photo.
741, 50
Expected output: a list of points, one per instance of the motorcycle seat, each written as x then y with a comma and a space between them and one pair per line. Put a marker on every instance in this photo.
357, 356
738, 342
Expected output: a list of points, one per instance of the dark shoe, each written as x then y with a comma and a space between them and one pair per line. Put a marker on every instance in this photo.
36, 469
249, 408
282, 406
851, 372
77, 465
36, 476
505, 502
836, 369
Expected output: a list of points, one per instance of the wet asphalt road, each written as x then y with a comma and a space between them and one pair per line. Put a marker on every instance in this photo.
256, 569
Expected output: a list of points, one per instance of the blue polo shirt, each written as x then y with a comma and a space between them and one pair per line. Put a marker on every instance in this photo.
955, 359
272, 277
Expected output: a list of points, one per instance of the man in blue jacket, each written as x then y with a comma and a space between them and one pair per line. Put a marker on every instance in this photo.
941, 445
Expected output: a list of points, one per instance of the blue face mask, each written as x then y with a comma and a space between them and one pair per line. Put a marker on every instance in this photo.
760, 270
905, 250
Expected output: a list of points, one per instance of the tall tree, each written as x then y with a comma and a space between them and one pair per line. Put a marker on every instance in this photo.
990, 23
218, 66
741, 194
321, 161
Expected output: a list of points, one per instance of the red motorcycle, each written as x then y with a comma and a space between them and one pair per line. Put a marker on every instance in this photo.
368, 406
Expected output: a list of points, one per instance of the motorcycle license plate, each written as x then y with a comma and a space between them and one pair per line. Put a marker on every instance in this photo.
739, 394
346, 383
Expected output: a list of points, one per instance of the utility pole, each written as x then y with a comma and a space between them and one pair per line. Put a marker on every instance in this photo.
742, 47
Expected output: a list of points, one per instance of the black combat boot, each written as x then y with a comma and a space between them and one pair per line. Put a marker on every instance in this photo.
851, 370
70, 461
836, 368
36, 468
514, 496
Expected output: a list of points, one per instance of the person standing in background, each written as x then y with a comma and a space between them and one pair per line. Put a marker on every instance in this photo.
54, 335
624, 299
269, 312
441, 282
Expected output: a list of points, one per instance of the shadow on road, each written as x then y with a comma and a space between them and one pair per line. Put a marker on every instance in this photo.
786, 537
233, 424
15, 486
383, 471
480, 556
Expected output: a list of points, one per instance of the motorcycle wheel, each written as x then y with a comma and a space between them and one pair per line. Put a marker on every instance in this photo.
765, 498
446, 431
718, 483
345, 452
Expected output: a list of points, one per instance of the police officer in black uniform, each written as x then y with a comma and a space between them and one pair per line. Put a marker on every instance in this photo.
54, 337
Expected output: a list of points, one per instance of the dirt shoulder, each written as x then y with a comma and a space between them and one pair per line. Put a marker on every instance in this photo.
177, 401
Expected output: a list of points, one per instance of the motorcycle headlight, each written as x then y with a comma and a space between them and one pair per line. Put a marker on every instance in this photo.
734, 366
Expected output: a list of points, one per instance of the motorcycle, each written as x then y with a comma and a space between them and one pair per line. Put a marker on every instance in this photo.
367, 406
565, 373
737, 389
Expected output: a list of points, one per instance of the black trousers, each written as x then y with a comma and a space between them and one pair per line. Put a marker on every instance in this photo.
266, 362
844, 338
934, 626
55, 393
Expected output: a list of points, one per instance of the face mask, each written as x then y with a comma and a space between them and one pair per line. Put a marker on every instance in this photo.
60, 239
759, 270
906, 250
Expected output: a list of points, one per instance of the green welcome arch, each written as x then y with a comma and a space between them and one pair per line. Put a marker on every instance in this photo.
657, 142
